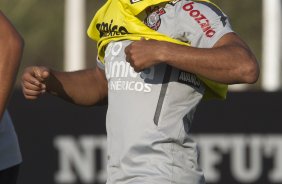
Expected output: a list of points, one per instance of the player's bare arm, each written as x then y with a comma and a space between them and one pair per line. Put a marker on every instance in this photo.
230, 61
11, 46
85, 87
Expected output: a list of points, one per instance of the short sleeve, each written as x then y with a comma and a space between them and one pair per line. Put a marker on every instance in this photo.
201, 23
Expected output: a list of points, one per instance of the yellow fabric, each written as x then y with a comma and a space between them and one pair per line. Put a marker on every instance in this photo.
117, 20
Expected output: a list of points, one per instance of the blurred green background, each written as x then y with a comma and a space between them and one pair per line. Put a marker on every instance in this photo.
41, 23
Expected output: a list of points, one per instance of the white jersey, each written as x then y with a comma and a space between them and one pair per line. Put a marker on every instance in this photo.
10, 154
150, 113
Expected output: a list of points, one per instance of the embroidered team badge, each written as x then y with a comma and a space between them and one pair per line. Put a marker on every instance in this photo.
153, 20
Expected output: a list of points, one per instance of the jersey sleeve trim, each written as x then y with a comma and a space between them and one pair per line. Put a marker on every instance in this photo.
100, 64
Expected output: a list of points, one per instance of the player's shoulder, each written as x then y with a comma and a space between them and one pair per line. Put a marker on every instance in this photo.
202, 12
203, 22
195, 7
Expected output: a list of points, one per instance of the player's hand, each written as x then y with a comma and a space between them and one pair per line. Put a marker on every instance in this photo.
34, 81
143, 53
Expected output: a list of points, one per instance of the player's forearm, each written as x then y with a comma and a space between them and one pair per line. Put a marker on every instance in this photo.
79, 87
11, 48
225, 64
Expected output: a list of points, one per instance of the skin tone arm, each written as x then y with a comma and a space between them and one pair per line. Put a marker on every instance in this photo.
85, 87
230, 61
11, 48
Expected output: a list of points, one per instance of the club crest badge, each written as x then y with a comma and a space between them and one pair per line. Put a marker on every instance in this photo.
153, 20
